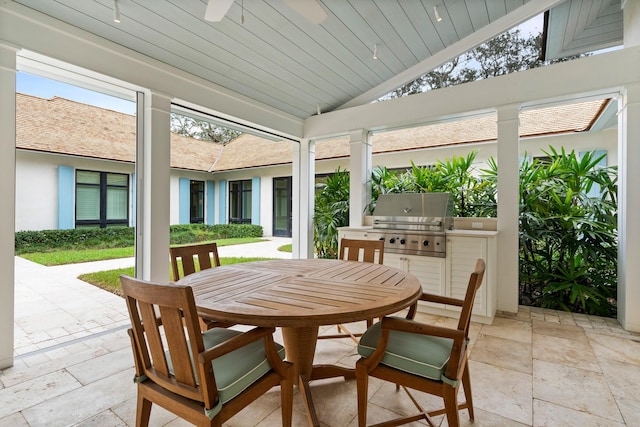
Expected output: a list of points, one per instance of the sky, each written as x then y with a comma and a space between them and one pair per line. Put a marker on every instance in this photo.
47, 88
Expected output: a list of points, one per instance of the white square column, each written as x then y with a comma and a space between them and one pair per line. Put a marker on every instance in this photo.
631, 25
153, 189
8, 197
359, 176
628, 208
508, 212
304, 172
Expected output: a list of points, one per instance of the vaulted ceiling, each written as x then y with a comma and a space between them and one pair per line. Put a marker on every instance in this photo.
265, 50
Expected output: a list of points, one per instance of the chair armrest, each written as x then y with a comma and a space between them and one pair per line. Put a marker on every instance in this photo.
458, 351
234, 343
441, 300
411, 326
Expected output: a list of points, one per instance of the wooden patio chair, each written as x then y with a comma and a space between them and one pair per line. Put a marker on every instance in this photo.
204, 378
192, 255
195, 258
423, 357
357, 250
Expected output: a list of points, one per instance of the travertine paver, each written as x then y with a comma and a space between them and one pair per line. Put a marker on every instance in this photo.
73, 365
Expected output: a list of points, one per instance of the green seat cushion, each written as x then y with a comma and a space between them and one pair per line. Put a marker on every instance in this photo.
421, 355
237, 370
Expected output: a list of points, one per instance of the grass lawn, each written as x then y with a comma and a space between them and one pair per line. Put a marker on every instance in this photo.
286, 248
60, 257
109, 280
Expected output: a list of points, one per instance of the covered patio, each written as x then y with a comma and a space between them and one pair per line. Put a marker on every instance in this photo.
73, 366
530, 367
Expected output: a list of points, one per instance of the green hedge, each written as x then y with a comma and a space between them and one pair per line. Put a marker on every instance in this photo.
190, 233
118, 237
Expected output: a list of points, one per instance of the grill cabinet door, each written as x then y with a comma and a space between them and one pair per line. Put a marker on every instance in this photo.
429, 270
461, 260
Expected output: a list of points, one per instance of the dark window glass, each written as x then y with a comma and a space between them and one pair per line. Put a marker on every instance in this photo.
240, 202
196, 208
102, 199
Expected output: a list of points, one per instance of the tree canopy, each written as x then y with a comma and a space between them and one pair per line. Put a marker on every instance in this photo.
202, 129
507, 53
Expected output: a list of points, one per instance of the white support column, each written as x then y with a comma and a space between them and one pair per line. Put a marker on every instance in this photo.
628, 208
631, 13
508, 197
304, 171
8, 205
359, 175
154, 199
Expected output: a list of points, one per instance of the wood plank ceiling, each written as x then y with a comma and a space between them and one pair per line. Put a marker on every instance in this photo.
282, 60
578, 26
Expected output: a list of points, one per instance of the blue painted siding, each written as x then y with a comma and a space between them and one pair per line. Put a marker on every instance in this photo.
255, 200
184, 193
66, 197
210, 201
222, 204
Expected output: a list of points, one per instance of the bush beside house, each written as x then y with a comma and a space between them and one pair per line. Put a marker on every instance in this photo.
117, 237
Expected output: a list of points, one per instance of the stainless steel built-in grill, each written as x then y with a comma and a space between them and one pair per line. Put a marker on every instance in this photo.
413, 223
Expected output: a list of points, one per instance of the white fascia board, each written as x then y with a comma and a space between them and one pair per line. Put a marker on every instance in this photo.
28, 29
585, 78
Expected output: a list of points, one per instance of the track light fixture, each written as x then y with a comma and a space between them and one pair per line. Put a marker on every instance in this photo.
437, 14
116, 12
375, 51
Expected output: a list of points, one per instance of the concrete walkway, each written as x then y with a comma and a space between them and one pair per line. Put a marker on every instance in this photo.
53, 307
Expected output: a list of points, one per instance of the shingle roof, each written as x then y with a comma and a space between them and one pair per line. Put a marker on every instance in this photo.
62, 126
59, 125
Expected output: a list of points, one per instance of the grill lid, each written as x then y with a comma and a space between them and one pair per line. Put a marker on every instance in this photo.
414, 211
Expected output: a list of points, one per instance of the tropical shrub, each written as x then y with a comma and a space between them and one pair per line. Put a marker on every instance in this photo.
472, 195
568, 233
330, 212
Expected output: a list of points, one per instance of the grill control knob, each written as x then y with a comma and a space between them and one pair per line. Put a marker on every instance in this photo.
392, 240
402, 241
425, 243
382, 238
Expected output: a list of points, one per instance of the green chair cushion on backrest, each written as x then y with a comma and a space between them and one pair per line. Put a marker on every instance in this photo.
421, 355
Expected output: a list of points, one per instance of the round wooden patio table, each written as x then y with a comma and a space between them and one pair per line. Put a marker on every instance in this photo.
299, 296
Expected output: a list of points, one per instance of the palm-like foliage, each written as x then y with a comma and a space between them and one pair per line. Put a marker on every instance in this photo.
568, 233
568, 220
331, 211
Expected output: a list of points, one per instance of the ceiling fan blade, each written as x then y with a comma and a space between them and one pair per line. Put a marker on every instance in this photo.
311, 10
217, 9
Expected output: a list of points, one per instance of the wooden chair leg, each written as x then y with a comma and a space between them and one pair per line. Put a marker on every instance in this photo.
450, 395
466, 385
143, 411
362, 384
286, 402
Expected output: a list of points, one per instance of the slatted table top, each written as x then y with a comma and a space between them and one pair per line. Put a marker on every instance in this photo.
301, 292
